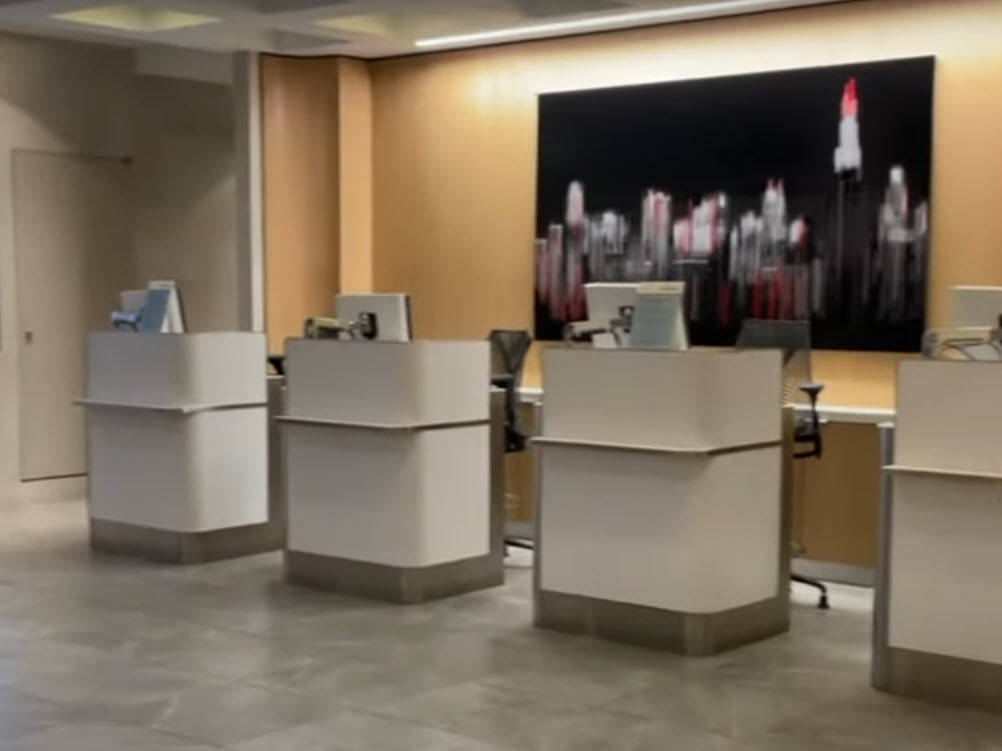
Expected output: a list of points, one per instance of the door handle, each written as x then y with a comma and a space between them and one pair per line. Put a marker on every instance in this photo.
29, 337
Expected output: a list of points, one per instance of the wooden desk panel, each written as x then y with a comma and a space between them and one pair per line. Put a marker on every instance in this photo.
520, 471
836, 498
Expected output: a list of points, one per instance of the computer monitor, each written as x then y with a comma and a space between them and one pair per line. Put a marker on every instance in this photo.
976, 306
163, 302
154, 310
607, 300
391, 312
659, 317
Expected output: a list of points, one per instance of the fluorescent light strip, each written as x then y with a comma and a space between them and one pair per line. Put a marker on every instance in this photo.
621, 19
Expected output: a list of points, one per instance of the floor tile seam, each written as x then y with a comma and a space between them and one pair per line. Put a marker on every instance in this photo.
562, 711
600, 705
383, 714
104, 724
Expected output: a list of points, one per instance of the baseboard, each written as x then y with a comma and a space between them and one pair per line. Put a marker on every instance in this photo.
394, 583
691, 634
184, 548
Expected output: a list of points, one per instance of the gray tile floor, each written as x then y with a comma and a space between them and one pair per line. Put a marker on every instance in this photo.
99, 653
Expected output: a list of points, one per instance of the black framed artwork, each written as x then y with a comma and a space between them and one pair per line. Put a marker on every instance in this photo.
790, 195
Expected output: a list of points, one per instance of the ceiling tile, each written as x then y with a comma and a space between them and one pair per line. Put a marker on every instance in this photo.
380, 25
130, 17
363, 28
291, 41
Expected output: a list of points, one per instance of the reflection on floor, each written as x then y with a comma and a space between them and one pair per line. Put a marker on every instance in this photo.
99, 653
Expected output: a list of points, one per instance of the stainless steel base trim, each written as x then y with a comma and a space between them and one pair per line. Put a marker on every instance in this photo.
184, 548
393, 583
690, 634
940, 678
882, 585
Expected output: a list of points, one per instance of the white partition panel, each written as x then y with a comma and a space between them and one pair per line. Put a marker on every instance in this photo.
681, 533
946, 523
177, 430
172, 370
946, 555
949, 416
398, 498
388, 383
388, 451
662, 479
687, 400
179, 473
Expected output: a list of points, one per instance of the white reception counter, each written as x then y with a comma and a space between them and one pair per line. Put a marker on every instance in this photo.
177, 445
662, 515
391, 473
939, 598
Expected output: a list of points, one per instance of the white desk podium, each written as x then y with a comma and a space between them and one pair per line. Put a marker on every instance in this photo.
938, 608
177, 445
662, 514
392, 468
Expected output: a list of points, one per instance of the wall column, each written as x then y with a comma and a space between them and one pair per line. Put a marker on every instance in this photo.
317, 159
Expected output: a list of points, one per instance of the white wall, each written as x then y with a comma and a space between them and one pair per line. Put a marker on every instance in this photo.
58, 97
179, 62
186, 191
66, 97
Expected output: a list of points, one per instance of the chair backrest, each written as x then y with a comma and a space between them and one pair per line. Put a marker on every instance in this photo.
793, 338
508, 350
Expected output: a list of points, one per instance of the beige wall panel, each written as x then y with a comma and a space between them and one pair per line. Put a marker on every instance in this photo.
300, 163
186, 205
62, 98
355, 155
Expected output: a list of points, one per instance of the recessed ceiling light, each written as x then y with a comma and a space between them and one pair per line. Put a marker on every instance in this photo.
134, 18
372, 24
633, 18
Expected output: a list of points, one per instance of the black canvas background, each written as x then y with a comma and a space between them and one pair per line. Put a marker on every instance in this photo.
690, 138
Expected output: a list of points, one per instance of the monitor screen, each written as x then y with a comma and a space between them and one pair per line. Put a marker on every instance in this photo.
392, 313
606, 300
659, 317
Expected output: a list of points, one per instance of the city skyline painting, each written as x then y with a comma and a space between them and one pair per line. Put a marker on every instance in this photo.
791, 195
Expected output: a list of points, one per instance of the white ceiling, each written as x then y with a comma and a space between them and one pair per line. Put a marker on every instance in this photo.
363, 28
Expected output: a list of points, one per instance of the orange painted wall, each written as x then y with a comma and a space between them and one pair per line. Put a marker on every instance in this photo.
301, 192
317, 143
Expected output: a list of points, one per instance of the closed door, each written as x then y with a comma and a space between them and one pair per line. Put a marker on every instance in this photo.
72, 227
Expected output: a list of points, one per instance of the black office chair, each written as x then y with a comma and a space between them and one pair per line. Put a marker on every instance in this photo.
277, 363
508, 351
793, 338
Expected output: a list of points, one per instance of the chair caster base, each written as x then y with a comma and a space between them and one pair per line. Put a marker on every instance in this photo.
823, 599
